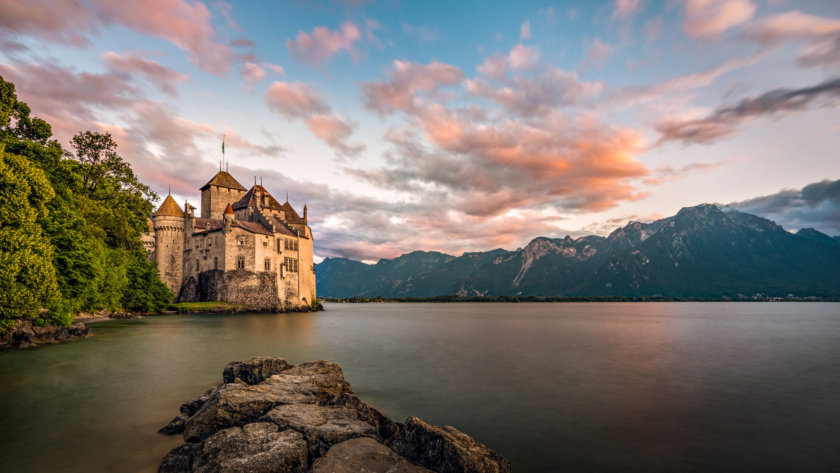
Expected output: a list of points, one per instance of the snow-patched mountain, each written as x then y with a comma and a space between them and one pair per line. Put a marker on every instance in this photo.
701, 251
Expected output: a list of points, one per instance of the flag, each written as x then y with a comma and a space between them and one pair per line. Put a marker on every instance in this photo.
223, 144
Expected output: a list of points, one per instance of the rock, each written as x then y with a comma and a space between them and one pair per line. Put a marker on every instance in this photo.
188, 409
270, 416
254, 448
446, 449
256, 370
363, 455
386, 429
23, 334
179, 459
238, 404
321, 426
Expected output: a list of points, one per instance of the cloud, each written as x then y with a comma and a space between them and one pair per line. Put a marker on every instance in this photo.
596, 55
724, 121
816, 205
130, 65
405, 81
626, 8
710, 18
321, 44
525, 30
538, 94
653, 29
297, 100
487, 169
334, 131
253, 73
494, 66
187, 25
523, 57
294, 100
821, 36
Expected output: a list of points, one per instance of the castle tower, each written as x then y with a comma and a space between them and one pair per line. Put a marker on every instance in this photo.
223, 189
168, 222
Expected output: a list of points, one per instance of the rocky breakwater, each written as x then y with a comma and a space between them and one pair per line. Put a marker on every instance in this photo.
271, 416
25, 334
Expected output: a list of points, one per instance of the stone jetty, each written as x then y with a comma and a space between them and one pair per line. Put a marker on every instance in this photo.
271, 416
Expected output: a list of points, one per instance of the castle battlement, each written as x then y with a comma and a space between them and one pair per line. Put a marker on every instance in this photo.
245, 248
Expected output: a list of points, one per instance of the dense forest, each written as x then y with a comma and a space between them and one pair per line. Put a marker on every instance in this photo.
70, 224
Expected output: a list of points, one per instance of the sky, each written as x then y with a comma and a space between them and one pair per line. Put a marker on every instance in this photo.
453, 126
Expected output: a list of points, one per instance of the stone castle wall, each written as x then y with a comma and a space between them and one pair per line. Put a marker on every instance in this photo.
169, 250
214, 199
253, 289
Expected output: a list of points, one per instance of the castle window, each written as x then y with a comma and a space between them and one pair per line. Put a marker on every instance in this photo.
278, 246
267, 264
242, 242
197, 267
240, 262
215, 262
265, 243
172, 259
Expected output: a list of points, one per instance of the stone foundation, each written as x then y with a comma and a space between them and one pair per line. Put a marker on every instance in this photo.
255, 290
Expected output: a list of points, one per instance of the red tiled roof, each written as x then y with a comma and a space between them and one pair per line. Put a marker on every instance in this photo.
223, 179
228, 209
253, 227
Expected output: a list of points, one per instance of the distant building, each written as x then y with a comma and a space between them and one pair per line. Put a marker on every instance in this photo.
245, 248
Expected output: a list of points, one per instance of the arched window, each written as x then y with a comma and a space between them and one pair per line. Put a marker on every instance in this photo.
240, 262
267, 264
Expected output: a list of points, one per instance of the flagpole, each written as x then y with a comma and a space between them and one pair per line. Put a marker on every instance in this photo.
223, 150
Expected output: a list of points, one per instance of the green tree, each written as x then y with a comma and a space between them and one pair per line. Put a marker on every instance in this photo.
27, 276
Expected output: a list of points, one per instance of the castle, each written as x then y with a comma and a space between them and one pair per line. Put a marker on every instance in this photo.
245, 248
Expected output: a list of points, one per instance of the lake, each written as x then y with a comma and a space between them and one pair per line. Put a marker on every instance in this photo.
553, 387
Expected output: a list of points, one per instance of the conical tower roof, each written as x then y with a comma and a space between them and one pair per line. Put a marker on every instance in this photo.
169, 208
223, 179
228, 209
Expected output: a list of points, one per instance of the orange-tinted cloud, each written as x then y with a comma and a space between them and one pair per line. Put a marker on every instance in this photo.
334, 131
820, 36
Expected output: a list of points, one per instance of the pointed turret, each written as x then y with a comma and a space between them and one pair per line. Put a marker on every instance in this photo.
169, 208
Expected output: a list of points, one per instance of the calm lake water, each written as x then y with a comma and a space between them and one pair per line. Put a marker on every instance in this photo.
553, 387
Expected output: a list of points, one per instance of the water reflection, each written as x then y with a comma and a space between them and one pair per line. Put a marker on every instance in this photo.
595, 387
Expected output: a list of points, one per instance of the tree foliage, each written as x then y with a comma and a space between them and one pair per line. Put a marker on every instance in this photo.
70, 223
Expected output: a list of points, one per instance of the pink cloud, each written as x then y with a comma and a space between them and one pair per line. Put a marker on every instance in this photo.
494, 66
322, 44
294, 100
253, 73
334, 131
537, 94
523, 57
710, 18
406, 80
626, 8
133, 64
597, 54
820, 36
297, 100
183, 23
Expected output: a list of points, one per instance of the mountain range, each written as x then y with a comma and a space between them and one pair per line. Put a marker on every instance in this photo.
701, 252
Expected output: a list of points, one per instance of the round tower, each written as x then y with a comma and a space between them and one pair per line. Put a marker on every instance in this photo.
168, 221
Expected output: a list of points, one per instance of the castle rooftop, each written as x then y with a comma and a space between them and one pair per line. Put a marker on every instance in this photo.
223, 179
169, 208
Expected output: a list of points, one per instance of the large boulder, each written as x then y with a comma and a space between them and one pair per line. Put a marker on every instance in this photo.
446, 449
259, 447
235, 404
321, 426
363, 455
255, 370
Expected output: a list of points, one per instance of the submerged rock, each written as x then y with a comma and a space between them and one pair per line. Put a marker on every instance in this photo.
271, 416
